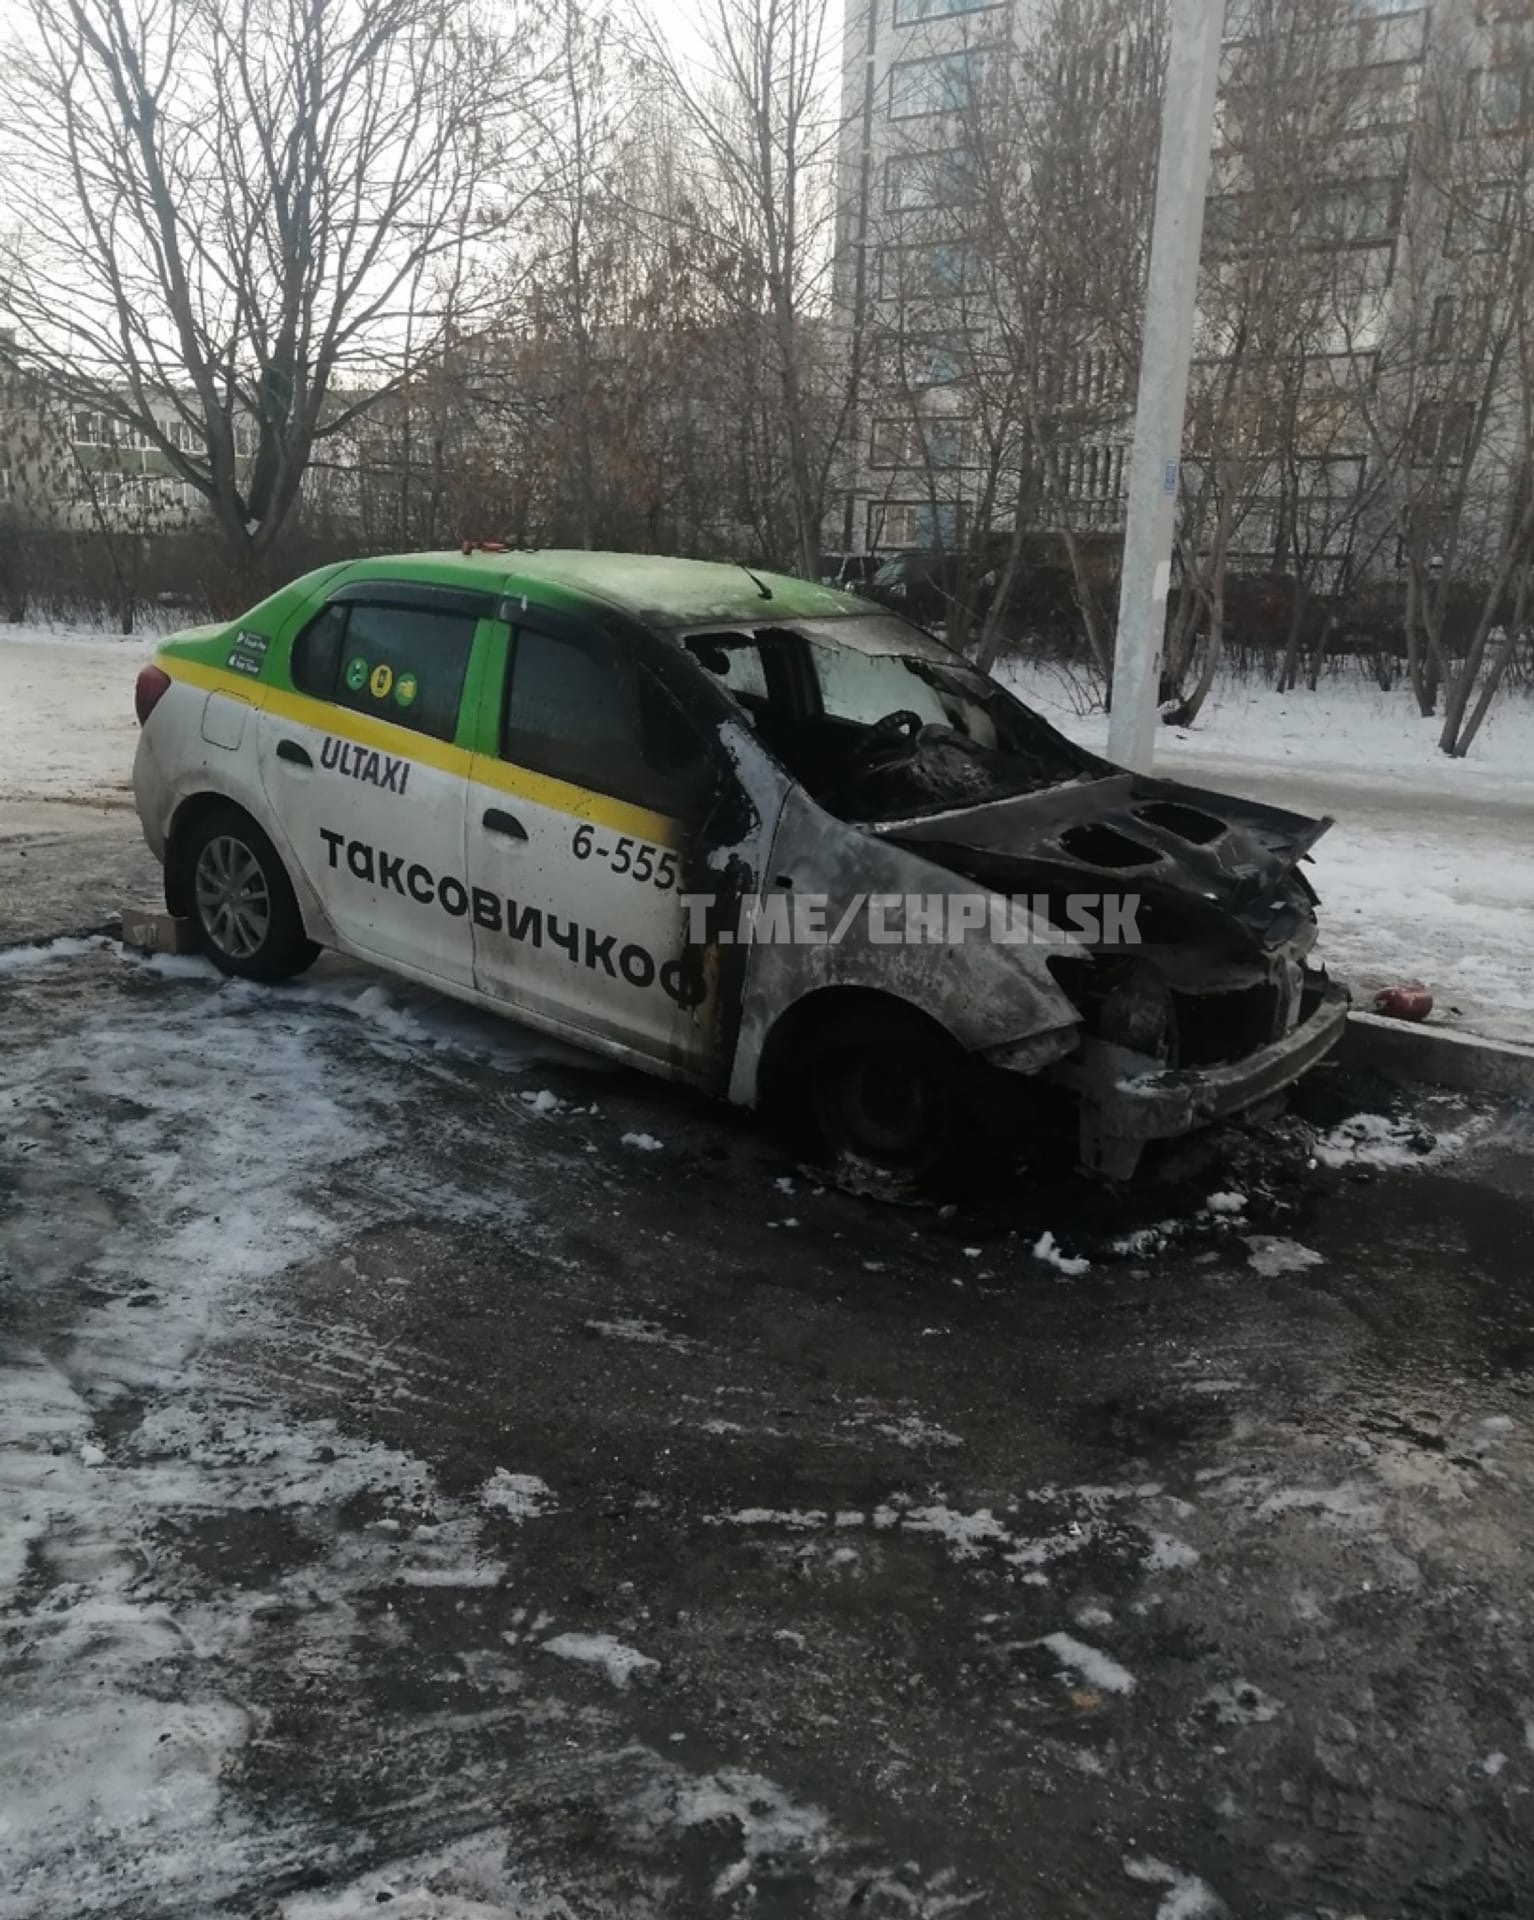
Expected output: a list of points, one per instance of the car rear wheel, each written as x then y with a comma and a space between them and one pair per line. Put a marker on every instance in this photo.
241, 900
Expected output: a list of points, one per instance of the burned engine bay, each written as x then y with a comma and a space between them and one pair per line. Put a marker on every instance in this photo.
889, 730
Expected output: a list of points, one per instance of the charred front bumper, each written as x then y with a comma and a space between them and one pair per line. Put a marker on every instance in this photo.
1124, 1107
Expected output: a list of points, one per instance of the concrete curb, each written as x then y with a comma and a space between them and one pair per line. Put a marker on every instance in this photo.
1403, 1051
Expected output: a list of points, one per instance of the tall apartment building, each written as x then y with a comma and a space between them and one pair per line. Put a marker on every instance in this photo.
944, 334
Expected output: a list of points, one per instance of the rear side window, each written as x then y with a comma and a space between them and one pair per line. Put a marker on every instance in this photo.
402, 664
579, 707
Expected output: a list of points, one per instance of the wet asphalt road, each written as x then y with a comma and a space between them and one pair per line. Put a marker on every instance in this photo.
492, 1510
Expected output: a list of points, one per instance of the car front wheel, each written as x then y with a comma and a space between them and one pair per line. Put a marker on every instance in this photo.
241, 900
888, 1103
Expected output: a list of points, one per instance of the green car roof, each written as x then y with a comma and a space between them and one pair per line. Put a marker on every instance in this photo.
659, 591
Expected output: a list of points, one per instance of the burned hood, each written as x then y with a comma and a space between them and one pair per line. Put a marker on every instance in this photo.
1205, 865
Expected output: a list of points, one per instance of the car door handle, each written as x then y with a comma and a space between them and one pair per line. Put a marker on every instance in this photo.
291, 750
498, 822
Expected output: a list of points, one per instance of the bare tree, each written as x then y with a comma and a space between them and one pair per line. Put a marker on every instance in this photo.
1010, 250
766, 121
1306, 184
230, 206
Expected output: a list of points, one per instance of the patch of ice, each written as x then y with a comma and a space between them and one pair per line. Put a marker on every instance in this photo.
618, 1663
778, 1835
1271, 1256
366, 1903
1375, 1140
643, 1142
517, 1496
174, 1208
640, 1332
964, 1534
1187, 1897
1091, 1664
1343, 1505
797, 1519
1168, 1554
1226, 1203
1493, 1764
544, 1101
910, 1430
1093, 1615
43, 953
1049, 1250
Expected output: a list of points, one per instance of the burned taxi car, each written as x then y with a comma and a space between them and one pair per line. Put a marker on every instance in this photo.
740, 830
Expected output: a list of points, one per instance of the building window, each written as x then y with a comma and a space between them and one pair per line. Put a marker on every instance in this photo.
910, 13
939, 179
937, 271
1502, 95
944, 83
1362, 213
903, 441
912, 523
1442, 432
1440, 333
1479, 224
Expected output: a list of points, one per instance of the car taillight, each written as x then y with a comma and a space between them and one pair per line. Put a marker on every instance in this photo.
151, 683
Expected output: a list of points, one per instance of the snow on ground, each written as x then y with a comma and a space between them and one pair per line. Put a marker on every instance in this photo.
1349, 728
1270, 1255
1089, 1663
1375, 1140
148, 1230
113, 1792
66, 713
617, 1663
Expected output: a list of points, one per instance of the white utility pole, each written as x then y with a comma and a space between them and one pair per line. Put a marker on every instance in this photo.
1187, 132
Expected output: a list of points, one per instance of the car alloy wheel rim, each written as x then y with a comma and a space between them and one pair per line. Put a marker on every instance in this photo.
234, 903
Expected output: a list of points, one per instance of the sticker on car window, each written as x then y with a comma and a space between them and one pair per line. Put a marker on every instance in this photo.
405, 689
380, 681
357, 673
248, 654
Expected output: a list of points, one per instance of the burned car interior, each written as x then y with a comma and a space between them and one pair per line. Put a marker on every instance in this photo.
886, 722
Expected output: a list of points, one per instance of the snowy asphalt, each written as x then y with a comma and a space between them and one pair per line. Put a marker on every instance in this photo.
440, 1477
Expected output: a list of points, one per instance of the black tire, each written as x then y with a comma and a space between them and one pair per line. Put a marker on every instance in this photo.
889, 1101
240, 899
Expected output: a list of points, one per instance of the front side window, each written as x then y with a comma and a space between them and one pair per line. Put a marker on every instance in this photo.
405, 665
581, 708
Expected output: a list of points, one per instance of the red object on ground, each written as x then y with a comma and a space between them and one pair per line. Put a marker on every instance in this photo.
1409, 1002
